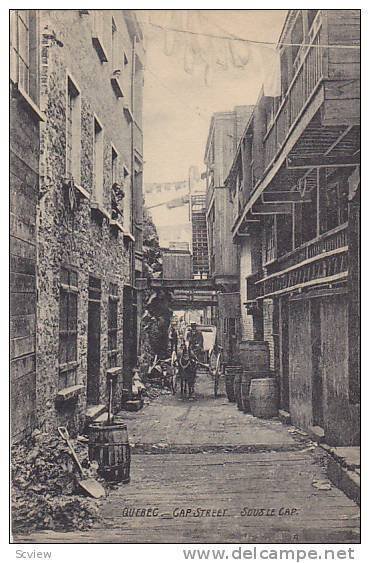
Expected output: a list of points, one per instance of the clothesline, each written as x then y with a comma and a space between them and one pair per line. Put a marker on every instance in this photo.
245, 40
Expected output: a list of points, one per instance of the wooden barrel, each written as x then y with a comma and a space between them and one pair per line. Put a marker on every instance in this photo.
245, 384
230, 372
263, 397
109, 446
254, 355
237, 389
244, 389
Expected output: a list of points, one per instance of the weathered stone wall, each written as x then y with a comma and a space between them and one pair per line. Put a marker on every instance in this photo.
79, 237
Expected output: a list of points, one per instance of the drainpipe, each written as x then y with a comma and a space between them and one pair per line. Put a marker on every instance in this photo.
133, 159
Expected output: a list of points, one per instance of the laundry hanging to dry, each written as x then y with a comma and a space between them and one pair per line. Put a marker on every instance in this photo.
191, 38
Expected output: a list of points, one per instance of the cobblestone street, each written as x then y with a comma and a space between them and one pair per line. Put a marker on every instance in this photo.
202, 471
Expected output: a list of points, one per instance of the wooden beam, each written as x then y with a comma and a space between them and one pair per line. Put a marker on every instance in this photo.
285, 197
272, 209
322, 162
339, 139
160, 283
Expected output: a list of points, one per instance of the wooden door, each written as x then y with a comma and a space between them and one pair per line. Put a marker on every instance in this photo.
317, 377
129, 333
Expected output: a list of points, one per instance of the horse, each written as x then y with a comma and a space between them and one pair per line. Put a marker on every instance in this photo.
187, 370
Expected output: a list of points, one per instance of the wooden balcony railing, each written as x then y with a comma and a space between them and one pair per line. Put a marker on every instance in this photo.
332, 240
322, 259
305, 81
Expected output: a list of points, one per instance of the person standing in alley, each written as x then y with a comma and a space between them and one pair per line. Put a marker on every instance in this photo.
195, 338
173, 338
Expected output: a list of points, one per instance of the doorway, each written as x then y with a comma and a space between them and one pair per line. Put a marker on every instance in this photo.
93, 342
129, 332
317, 379
284, 352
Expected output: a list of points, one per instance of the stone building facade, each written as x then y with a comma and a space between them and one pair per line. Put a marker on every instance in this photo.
89, 211
225, 131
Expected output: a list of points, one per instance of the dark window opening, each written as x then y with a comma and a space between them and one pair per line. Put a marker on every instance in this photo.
284, 234
68, 328
309, 218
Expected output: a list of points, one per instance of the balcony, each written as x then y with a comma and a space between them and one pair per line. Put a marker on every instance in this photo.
302, 88
316, 122
322, 260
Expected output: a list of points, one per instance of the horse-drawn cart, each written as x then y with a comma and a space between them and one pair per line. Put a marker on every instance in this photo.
210, 357
191, 358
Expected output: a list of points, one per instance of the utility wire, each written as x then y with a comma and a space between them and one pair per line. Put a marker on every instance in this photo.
245, 40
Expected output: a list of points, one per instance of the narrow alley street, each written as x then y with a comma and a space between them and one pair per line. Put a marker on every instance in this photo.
202, 471
185, 211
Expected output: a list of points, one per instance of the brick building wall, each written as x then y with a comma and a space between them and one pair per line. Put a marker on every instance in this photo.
78, 235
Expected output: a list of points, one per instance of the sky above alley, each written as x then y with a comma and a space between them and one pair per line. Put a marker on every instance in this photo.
180, 96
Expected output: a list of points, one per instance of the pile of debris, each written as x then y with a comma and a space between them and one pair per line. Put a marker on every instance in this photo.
154, 391
45, 491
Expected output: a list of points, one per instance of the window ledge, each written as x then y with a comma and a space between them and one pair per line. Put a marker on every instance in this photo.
116, 224
128, 113
100, 49
69, 366
69, 393
113, 373
100, 210
128, 235
82, 191
116, 85
31, 105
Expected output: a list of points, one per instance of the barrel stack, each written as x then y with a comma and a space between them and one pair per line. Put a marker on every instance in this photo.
255, 389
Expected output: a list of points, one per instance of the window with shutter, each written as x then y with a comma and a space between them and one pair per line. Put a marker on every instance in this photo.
24, 53
68, 328
73, 131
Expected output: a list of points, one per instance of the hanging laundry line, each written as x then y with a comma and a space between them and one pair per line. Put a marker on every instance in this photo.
246, 40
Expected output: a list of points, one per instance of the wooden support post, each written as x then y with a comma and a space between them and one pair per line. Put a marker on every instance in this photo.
298, 208
321, 201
